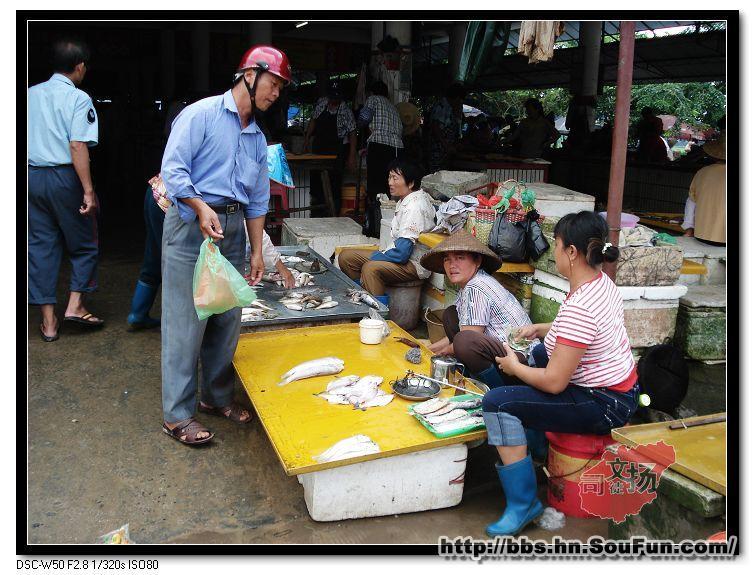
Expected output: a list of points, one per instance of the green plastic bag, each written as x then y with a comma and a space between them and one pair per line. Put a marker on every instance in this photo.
218, 287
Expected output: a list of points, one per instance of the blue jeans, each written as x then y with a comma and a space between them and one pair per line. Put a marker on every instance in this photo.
153, 221
509, 409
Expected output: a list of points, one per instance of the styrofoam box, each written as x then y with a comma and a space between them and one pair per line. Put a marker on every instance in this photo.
406, 483
323, 235
648, 294
557, 201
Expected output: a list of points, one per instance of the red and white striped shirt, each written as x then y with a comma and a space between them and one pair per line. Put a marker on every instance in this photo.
592, 317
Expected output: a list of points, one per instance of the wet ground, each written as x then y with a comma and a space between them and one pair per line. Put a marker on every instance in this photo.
97, 457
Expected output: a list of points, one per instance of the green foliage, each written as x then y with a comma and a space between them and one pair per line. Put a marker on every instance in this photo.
697, 103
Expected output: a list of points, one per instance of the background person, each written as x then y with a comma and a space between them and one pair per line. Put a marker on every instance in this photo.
446, 119
590, 382
414, 215
62, 205
534, 133
383, 147
331, 131
705, 210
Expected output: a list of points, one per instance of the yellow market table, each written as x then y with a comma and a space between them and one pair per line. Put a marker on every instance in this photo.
413, 471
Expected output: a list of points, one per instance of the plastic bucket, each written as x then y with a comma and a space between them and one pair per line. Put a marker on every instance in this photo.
569, 455
405, 303
370, 331
627, 220
434, 321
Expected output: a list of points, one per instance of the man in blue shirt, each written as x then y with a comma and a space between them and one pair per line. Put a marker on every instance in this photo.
62, 125
215, 173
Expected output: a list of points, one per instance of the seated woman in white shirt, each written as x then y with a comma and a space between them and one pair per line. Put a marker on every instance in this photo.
415, 214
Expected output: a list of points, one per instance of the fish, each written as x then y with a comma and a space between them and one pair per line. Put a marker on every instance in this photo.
358, 297
291, 259
456, 424
468, 403
361, 392
379, 400
354, 446
261, 304
294, 306
430, 406
340, 382
315, 266
327, 305
312, 368
333, 398
449, 416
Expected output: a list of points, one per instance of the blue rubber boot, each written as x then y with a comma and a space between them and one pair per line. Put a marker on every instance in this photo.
522, 504
144, 297
490, 377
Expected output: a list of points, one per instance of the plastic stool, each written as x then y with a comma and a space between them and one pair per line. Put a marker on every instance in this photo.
279, 211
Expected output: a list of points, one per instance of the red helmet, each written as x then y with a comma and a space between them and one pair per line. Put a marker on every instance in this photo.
269, 59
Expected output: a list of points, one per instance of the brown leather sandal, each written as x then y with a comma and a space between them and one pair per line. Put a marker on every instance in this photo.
187, 430
232, 412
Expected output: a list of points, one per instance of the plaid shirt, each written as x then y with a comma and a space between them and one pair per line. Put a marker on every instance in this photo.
345, 123
483, 301
386, 126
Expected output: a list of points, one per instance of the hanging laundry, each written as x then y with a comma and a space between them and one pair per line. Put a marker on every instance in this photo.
537, 37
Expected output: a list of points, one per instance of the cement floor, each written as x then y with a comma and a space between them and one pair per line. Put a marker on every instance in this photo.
97, 457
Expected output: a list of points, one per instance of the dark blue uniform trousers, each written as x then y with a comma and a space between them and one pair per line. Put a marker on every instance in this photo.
55, 196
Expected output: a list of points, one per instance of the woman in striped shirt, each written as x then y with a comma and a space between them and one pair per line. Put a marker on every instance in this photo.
589, 384
484, 311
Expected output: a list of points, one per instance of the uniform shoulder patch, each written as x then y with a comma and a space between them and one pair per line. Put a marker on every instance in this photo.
90, 116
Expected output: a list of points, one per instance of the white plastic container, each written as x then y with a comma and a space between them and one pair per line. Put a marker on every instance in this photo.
370, 331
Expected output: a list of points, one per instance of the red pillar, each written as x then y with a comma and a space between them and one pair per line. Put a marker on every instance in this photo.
620, 133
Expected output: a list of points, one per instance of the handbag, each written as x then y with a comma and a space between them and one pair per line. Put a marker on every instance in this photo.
536, 244
509, 240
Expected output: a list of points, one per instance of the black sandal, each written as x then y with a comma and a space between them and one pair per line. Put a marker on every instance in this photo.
187, 430
48, 338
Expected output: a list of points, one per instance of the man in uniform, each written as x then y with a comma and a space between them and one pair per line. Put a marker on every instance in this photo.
62, 126
215, 173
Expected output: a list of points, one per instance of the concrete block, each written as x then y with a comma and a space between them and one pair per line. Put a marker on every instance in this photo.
322, 234
649, 266
701, 324
401, 484
451, 183
648, 321
705, 297
664, 292
716, 271
695, 249
637, 266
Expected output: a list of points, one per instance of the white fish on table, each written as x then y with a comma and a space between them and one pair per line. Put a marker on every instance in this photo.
460, 423
341, 382
468, 403
312, 368
354, 446
381, 399
430, 406
450, 416
333, 398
